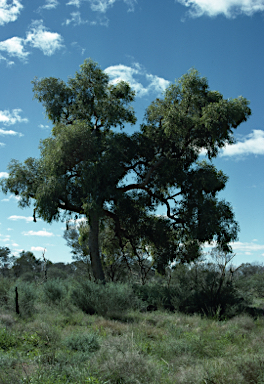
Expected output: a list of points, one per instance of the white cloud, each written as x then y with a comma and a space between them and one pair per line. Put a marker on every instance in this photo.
14, 47
15, 218
11, 197
77, 3
3, 174
102, 5
229, 8
134, 75
43, 233
11, 118
3, 132
8, 63
38, 249
76, 19
2, 144
50, 4
252, 144
246, 247
39, 37
44, 126
9, 12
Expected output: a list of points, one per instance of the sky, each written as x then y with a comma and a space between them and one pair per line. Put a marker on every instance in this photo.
148, 43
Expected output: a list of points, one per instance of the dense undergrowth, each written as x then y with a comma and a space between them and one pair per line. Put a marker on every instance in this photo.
195, 327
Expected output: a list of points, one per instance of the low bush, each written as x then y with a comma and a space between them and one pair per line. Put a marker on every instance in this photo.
54, 290
87, 342
103, 299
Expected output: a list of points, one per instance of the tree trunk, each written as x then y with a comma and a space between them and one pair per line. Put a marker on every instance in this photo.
96, 263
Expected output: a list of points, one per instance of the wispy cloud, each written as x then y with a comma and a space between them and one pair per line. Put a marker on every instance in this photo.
247, 247
3, 132
44, 126
38, 249
43, 233
3, 174
38, 36
49, 4
28, 219
252, 144
8, 62
102, 5
76, 19
13, 117
2, 144
11, 197
229, 8
9, 12
135, 76
77, 3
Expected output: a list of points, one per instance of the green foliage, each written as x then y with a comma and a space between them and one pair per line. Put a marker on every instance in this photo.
27, 297
84, 166
8, 340
103, 299
54, 291
82, 342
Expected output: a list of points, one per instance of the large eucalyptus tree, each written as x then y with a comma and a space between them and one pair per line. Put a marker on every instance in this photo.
88, 166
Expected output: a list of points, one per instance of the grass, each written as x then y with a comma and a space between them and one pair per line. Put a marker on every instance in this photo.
61, 344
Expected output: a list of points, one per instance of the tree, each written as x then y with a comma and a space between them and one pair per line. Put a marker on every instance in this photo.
6, 260
27, 264
88, 168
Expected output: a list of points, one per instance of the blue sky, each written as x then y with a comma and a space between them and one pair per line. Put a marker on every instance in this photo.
148, 43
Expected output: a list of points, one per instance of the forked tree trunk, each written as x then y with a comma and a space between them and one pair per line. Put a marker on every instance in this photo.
96, 263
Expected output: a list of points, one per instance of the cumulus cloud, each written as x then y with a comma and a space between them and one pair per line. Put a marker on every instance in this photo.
38, 249
14, 48
13, 117
252, 144
43, 233
229, 8
135, 76
28, 219
3, 174
9, 12
39, 37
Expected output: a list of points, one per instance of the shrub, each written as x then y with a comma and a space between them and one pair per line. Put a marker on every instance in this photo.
82, 342
27, 295
103, 299
54, 291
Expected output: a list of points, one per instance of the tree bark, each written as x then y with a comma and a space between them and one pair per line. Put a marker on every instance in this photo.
96, 263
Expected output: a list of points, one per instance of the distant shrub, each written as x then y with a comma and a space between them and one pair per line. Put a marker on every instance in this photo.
103, 299
82, 342
27, 296
54, 290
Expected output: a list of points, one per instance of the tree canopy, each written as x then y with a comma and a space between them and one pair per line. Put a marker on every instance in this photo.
89, 166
